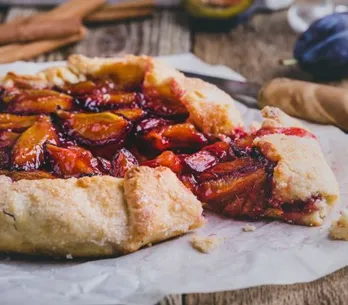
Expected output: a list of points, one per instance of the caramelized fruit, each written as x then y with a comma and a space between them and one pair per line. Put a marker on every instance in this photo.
230, 186
209, 156
166, 108
105, 127
167, 159
122, 162
72, 161
132, 114
27, 153
38, 102
16, 122
177, 137
94, 128
105, 101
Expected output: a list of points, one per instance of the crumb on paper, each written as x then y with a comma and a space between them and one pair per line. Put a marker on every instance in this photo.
69, 256
339, 228
205, 244
249, 228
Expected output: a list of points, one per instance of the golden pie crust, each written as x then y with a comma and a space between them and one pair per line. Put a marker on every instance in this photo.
103, 215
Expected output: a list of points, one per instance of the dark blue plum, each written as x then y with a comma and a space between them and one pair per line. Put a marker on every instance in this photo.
323, 49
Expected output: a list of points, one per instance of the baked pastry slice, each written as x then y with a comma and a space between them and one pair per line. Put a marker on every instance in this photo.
277, 171
104, 156
95, 216
69, 157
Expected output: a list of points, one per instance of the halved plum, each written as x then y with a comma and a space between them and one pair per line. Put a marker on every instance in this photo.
38, 101
94, 128
16, 122
72, 161
122, 162
27, 153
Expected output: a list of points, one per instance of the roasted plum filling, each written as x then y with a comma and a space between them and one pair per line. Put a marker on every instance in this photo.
97, 127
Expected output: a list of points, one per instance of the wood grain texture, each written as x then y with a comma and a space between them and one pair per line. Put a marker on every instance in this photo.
253, 49
166, 33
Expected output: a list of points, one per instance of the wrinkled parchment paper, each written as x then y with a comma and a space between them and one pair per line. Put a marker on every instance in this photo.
275, 253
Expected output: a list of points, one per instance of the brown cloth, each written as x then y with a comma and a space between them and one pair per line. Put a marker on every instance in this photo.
314, 102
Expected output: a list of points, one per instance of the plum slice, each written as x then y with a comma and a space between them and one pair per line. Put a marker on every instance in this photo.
94, 128
27, 153
72, 161
38, 101
177, 137
105, 101
237, 185
123, 161
209, 156
132, 114
16, 122
167, 159
165, 108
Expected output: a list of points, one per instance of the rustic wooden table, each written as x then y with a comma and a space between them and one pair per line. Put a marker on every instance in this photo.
253, 50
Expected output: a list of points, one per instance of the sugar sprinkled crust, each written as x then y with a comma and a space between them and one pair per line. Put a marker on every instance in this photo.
95, 216
301, 172
100, 216
211, 110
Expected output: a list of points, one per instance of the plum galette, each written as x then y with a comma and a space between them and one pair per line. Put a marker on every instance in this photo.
104, 156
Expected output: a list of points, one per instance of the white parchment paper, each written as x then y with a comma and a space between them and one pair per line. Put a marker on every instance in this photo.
276, 253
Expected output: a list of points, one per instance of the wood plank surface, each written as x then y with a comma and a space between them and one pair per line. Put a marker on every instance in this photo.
253, 50
163, 34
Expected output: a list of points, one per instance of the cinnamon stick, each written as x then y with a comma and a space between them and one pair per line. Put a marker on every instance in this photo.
104, 15
130, 4
72, 8
31, 29
23, 51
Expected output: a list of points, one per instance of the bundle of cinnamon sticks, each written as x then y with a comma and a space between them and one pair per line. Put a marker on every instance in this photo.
27, 37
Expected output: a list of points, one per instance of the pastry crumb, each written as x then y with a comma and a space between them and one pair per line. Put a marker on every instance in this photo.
205, 244
69, 256
339, 228
249, 228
